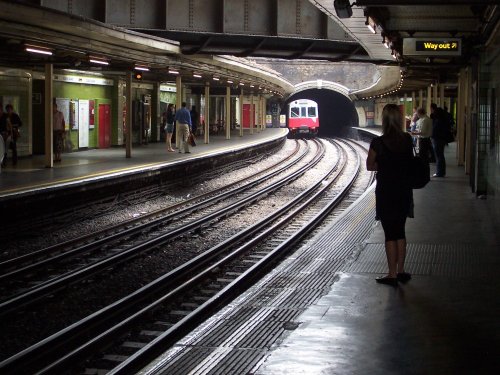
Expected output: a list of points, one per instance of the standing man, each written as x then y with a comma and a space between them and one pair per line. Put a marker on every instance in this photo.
424, 131
14, 123
183, 120
439, 133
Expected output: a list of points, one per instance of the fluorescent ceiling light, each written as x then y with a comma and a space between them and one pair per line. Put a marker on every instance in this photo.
229, 81
196, 75
98, 61
41, 50
143, 68
216, 79
171, 71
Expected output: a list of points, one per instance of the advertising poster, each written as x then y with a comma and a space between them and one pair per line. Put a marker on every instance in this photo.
282, 121
83, 123
73, 114
91, 114
63, 106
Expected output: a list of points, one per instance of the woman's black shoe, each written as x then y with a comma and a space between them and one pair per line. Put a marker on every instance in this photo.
404, 277
392, 281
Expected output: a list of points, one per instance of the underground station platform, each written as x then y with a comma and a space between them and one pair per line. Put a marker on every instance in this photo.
321, 312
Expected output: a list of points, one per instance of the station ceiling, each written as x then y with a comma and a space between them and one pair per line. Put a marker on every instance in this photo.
163, 33
397, 22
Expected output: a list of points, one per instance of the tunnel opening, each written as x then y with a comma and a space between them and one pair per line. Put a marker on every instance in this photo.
336, 112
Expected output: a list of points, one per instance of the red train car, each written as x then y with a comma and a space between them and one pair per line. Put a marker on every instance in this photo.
303, 118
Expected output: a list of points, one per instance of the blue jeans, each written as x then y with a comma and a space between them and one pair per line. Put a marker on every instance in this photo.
438, 145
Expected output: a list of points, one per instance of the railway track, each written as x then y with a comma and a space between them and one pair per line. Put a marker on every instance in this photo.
183, 297
43, 272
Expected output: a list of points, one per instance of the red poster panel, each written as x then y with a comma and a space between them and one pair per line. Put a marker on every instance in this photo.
104, 125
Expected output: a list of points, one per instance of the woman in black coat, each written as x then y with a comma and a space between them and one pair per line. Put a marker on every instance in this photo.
390, 155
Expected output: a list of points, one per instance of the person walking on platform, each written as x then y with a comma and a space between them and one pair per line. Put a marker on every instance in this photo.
390, 156
59, 131
439, 138
424, 131
183, 120
169, 127
13, 124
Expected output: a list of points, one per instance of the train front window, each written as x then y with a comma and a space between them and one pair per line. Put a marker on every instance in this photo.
311, 112
295, 112
303, 112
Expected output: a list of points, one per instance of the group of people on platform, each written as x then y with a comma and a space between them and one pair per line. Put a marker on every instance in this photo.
186, 121
390, 155
433, 133
10, 122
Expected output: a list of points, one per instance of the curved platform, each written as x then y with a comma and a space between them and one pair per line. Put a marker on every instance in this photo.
321, 311
86, 173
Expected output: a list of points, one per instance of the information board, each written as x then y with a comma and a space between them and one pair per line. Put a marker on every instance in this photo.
432, 47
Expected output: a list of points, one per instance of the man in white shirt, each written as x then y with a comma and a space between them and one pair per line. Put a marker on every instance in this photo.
424, 131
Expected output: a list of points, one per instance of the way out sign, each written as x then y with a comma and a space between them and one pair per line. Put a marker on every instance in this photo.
432, 47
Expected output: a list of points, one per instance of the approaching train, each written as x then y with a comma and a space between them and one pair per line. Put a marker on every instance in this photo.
303, 118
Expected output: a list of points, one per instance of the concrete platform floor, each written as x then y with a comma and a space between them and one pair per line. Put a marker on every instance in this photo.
31, 173
444, 321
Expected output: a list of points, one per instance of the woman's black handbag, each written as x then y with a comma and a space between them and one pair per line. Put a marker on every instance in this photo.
420, 172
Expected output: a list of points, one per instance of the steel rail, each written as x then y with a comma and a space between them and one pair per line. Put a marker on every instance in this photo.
112, 312
62, 281
29, 258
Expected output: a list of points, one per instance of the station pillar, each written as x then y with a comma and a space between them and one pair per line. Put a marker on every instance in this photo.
128, 120
441, 95
241, 112
252, 114
228, 112
429, 100
206, 131
178, 103
49, 150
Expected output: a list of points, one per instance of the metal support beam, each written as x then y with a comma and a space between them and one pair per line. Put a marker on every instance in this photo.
49, 117
252, 114
178, 104
128, 121
241, 112
429, 100
207, 113
382, 3
228, 112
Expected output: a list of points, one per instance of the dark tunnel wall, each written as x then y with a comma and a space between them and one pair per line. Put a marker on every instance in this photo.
335, 110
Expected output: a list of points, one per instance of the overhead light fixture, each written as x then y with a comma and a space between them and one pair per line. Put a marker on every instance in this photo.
140, 67
196, 75
242, 84
216, 78
343, 8
252, 86
37, 49
172, 71
229, 81
98, 60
